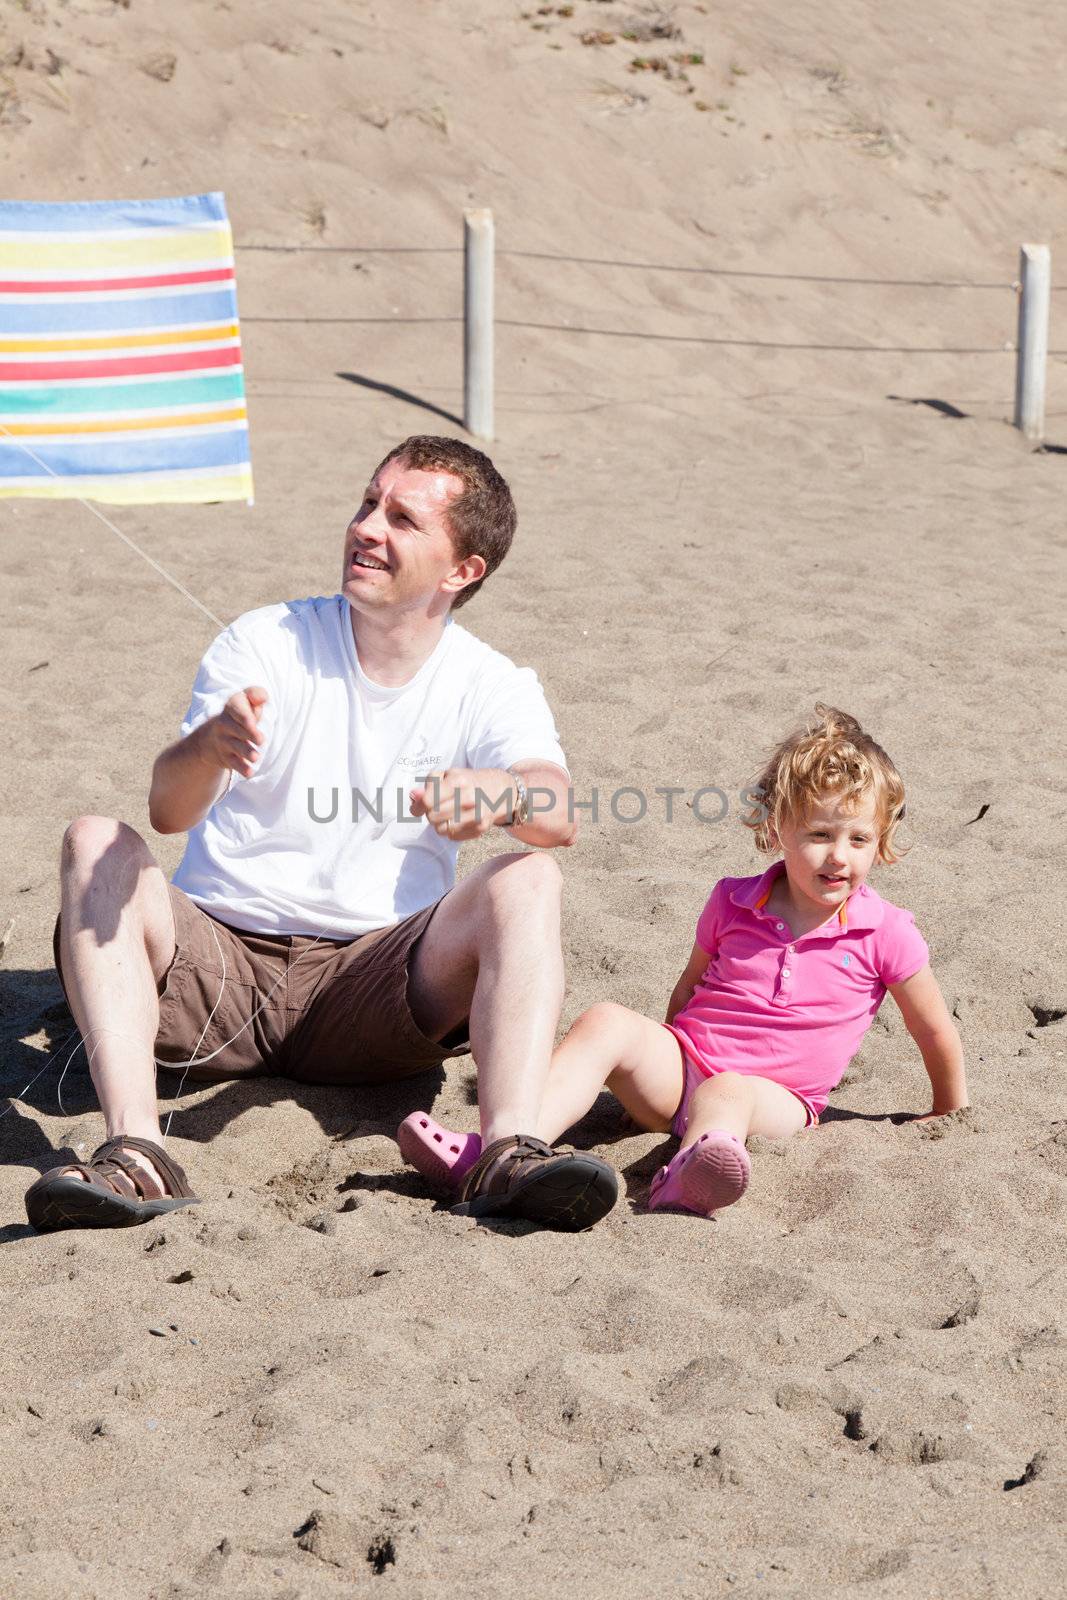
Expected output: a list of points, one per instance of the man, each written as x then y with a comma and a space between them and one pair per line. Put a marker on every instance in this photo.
335, 754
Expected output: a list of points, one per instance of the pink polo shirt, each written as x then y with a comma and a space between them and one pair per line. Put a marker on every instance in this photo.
794, 1010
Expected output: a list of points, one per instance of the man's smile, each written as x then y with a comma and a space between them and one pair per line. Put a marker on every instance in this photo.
360, 558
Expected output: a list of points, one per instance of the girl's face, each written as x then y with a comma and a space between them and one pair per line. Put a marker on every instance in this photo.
830, 851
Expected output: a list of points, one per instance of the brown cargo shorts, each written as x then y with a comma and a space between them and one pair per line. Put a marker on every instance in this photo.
240, 1005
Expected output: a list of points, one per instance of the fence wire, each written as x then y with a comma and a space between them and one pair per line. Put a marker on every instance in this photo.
755, 274
641, 266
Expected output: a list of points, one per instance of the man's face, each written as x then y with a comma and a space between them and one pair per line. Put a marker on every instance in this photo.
398, 549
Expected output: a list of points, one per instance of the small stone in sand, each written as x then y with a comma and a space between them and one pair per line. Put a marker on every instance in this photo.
161, 66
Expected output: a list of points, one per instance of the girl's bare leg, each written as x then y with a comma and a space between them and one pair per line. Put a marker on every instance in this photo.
711, 1169
637, 1059
742, 1105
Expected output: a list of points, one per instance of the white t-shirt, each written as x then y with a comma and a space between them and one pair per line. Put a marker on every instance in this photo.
320, 840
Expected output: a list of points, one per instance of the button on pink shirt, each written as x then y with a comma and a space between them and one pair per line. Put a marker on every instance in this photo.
794, 1010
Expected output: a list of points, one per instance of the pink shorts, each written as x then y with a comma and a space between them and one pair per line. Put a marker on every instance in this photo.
694, 1076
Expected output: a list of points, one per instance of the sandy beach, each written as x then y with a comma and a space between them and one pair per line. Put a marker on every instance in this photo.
736, 498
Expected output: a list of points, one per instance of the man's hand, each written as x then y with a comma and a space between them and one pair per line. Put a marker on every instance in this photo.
187, 777
464, 802
232, 739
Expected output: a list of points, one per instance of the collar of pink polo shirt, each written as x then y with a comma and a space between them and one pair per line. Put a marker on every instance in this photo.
863, 908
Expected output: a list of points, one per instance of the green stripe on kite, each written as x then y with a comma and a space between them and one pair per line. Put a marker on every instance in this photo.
122, 397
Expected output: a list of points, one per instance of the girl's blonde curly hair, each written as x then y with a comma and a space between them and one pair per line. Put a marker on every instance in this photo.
831, 757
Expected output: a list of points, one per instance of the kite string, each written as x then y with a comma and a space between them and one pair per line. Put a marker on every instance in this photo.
177, 584
187, 1064
117, 531
27, 1087
18, 1094
157, 1061
193, 1061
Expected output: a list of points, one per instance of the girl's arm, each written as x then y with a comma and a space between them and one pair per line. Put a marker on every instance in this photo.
684, 988
927, 1019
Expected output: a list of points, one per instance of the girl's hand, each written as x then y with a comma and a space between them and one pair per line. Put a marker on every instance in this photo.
935, 1116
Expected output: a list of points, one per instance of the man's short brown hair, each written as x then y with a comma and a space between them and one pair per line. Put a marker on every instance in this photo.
481, 518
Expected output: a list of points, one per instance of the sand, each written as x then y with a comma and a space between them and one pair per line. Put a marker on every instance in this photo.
318, 1382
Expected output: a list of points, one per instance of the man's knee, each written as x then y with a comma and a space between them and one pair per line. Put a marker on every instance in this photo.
91, 840
528, 880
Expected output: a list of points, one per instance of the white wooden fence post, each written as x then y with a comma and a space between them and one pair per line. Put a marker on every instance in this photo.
1035, 282
478, 323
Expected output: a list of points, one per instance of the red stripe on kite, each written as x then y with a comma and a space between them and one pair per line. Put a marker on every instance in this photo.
164, 280
122, 366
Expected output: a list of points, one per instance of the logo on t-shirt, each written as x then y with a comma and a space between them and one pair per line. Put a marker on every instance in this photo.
421, 761
846, 961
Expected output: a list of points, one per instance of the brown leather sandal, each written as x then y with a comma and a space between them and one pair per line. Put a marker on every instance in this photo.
115, 1191
524, 1177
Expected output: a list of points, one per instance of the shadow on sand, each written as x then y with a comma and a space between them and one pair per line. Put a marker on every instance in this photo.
400, 394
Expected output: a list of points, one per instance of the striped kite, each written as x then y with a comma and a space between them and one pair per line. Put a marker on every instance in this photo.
120, 352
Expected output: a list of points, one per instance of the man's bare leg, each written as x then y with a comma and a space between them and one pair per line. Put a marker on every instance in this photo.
116, 941
492, 952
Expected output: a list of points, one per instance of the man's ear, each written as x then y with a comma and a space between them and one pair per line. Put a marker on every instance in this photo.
468, 572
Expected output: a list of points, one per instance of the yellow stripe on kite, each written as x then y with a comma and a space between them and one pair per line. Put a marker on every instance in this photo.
36, 430
120, 341
137, 491
79, 258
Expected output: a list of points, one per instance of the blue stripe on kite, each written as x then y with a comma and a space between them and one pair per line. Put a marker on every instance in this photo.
39, 399
100, 316
83, 216
108, 459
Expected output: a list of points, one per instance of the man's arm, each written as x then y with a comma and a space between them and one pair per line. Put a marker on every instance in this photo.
189, 776
464, 803
927, 1019
552, 820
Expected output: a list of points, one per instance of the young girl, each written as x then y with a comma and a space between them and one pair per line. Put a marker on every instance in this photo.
784, 980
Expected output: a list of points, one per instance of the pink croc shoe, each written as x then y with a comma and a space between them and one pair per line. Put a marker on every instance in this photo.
704, 1177
444, 1158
